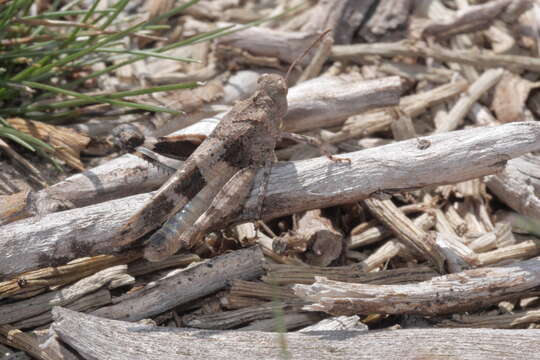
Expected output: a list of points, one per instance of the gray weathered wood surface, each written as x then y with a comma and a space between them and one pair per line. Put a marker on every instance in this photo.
451, 157
99, 339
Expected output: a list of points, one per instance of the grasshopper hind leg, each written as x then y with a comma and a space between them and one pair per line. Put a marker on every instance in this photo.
226, 203
165, 241
157, 248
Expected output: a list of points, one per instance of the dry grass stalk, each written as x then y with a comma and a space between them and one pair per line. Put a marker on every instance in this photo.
67, 143
49, 277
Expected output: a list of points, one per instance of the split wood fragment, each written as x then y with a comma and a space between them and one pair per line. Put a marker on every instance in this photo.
182, 286
459, 292
412, 237
24, 309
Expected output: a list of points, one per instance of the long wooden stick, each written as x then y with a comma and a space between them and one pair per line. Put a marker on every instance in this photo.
293, 187
97, 338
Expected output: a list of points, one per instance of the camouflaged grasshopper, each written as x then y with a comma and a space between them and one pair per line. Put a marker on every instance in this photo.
217, 178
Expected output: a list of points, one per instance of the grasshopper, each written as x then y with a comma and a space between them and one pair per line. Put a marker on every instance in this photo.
216, 179
223, 166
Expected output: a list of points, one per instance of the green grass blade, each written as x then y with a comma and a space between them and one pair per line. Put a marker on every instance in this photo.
99, 99
56, 14
118, 95
148, 54
119, 6
18, 141
141, 57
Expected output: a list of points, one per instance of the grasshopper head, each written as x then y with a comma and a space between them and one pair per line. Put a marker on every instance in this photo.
276, 88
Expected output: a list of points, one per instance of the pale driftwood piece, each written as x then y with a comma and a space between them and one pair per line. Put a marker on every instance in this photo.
482, 116
182, 286
476, 18
502, 321
389, 16
443, 224
229, 319
294, 274
457, 223
500, 237
458, 256
383, 254
342, 16
19, 340
474, 226
324, 240
24, 309
52, 245
501, 37
351, 323
529, 302
123, 176
459, 292
96, 338
374, 233
412, 105
52, 345
417, 72
91, 301
518, 186
328, 101
455, 117
288, 321
261, 290
484, 59
510, 96
522, 250
285, 45
241, 85
402, 127
141, 267
481, 149
324, 101
529, 164
415, 240
293, 187
33, 173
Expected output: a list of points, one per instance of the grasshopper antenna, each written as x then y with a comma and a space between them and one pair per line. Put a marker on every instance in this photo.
298, 59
